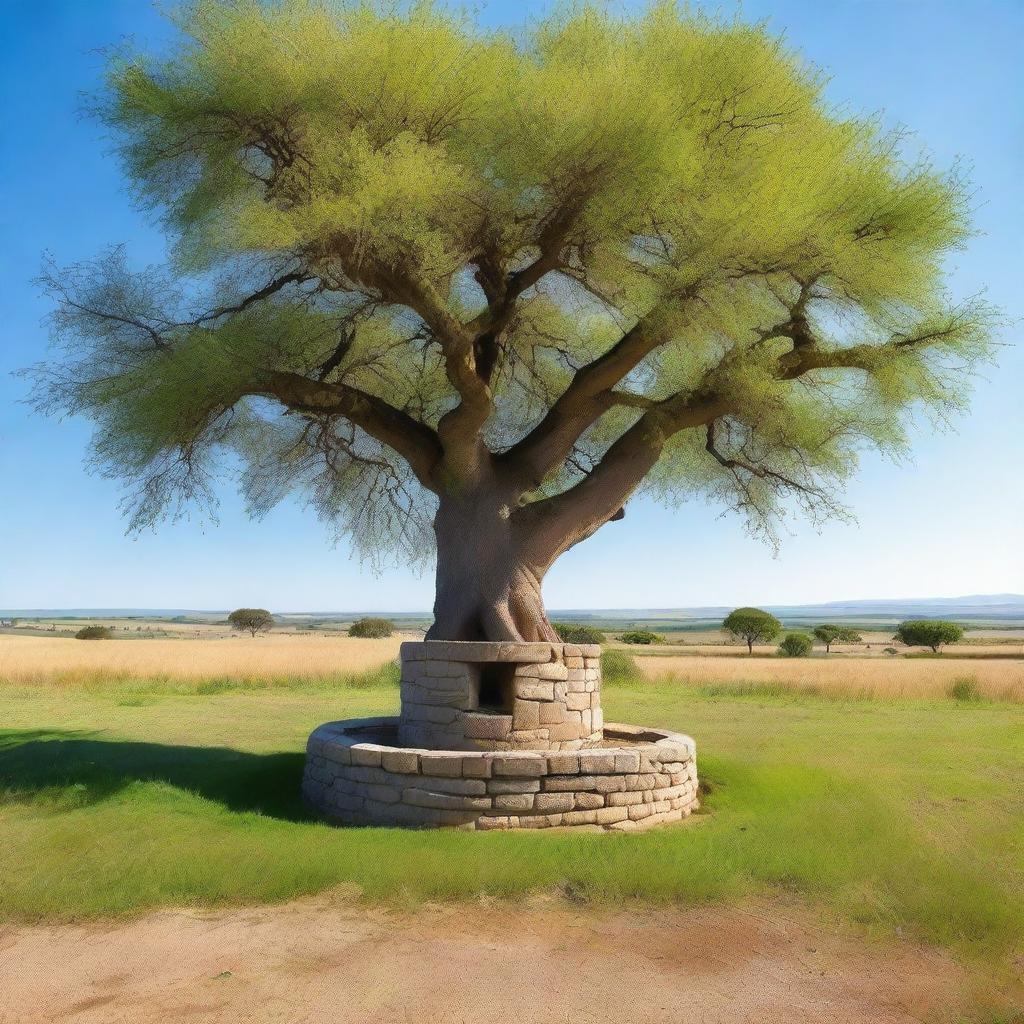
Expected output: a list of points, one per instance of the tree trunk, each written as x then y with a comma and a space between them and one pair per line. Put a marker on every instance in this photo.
488, 588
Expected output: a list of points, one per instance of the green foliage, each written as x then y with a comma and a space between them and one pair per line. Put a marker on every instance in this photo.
619, 668
371, 628
796, 645
641, 636
94, 633
931, 633
255, 620
752, 625
393, 167
965, 689
830, 634
577, 633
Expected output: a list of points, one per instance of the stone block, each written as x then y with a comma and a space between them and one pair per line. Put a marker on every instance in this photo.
609, 815
551, 713
534, 689
586, 801
554, 670
642, 781
596, 762
577, 701
627, 762
486, 727
568, 783
609, 783
339, 753
402, 761
439, 784
513, 801
519, 764
477, 767
553, 802
382, 793
525, 714
513, 785
449, 765
368, 755
563, 764
624, 799
487, 822
447, 801
579, 818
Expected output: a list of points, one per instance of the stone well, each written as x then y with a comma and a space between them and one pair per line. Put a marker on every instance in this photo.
496, 736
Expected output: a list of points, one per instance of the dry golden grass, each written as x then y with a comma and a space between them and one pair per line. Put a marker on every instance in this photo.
846, 676
64, 660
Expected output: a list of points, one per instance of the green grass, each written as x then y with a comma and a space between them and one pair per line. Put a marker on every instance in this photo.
907, 817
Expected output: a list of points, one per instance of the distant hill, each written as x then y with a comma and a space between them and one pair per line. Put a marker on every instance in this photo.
975, 607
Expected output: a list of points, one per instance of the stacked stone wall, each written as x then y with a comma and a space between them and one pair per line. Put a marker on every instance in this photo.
640, 778
551, 696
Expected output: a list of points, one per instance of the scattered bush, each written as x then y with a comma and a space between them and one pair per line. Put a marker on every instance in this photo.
965, 689
94, 633
641, 636
753, 626
371, 629
619, 668
829, 634
796, 645
255, 620
931, 633
891, 650
577, 633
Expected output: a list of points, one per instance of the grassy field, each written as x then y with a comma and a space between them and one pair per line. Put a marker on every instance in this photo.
906, 816
59, 661
875, 678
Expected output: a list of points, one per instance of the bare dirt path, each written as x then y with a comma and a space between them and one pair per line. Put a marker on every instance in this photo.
328, 960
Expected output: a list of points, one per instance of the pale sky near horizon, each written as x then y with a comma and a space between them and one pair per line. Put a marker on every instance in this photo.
950, 522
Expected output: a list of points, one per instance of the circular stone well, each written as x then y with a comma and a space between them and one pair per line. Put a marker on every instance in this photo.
497, 736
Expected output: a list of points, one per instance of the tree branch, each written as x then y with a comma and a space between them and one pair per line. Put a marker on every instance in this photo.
413, 440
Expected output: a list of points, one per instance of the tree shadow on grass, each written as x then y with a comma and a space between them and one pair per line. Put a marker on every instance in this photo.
67, 768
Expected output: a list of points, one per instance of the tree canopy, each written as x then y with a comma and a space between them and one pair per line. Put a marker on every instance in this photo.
830, 634
255, 620
931, 633
752, 626
498, 282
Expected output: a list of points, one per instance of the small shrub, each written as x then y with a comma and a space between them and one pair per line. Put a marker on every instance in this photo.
619, 668
891, 651
642, 636
94, 633
796, 645
965, 689
371, 629
577, 633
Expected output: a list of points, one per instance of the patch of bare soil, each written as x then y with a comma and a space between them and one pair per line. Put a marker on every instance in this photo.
327, 960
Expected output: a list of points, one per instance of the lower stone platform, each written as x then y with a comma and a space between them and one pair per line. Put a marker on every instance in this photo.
357, 775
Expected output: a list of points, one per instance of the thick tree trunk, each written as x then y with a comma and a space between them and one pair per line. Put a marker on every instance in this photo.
488, 588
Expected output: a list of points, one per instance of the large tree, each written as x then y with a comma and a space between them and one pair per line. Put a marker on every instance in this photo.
489, 286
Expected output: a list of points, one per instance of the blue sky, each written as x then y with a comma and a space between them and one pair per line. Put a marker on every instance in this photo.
950, 522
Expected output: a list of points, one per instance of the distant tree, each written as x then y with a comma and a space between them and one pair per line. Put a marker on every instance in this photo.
931, 633
577, 633
642, 636
370, 628
796, 645
481, 288
255, 620
753, 626
829, 634
93, 633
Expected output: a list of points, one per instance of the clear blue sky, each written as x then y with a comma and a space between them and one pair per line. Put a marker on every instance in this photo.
951, 522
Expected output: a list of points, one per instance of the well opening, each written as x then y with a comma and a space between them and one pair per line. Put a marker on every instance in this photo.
495, 691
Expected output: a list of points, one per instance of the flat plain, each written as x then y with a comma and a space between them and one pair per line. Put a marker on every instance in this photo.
880, 822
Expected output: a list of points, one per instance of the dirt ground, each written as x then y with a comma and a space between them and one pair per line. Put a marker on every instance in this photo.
331, 960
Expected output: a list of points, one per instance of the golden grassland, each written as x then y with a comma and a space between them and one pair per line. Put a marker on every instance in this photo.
873, 677
62, 660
